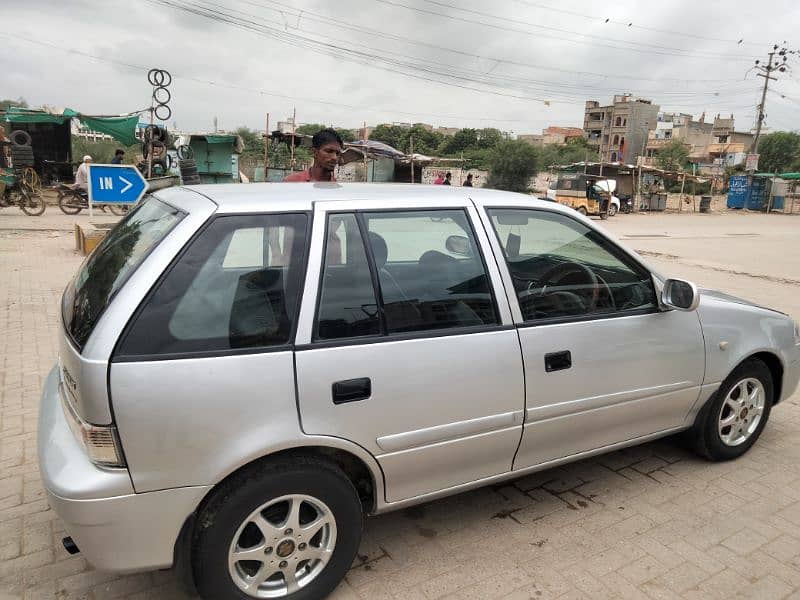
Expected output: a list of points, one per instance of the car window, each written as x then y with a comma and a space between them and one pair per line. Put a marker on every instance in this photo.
347, 306
235, 287
430, 271
562, 268
107, 268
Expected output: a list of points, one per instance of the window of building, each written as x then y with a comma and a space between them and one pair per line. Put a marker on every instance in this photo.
613, 157
615, 140
236, 287
617, 121
561, 268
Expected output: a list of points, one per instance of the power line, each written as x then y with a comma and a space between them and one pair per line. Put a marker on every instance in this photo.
458, 77
631, 25
307, 15
263, 92
561, 38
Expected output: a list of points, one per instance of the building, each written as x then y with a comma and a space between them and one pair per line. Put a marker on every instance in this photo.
80, 130
552, 135
716, 143
619, 131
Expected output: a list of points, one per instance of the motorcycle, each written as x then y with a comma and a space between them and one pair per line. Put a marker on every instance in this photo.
625, 204
72, 200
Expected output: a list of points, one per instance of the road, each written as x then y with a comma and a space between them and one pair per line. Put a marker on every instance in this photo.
649, 522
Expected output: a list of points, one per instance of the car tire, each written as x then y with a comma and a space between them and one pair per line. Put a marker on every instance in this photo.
723, 431
612, 210
20, 137
226, 526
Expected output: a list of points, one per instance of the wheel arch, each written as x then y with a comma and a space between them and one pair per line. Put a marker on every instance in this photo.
775, 366
367, 480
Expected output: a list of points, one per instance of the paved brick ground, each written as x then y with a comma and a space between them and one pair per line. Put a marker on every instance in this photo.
649, 522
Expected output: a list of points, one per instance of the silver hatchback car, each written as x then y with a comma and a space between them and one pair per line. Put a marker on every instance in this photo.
246, 370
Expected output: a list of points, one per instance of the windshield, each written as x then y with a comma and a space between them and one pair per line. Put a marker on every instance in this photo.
105, 270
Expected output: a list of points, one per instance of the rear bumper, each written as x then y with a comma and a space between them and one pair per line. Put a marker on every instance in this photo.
115, 528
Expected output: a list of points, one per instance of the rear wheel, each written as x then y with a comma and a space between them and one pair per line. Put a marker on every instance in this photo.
69, 203
736, 416
582, 210
612, 210
286, 530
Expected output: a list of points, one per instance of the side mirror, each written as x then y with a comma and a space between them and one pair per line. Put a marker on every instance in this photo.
458, 244
680, 295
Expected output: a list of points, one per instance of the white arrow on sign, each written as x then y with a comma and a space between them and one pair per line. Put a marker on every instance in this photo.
128, 184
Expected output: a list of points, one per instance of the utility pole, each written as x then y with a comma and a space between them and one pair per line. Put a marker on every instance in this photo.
294, 126
766, 75
266, 148
411, 151
779, 64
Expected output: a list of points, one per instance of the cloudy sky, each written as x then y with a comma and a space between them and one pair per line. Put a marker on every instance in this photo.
519, 65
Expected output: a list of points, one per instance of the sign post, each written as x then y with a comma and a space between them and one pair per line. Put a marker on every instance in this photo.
115, 184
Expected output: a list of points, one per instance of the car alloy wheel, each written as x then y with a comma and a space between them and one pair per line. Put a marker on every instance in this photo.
741, 412
282, 546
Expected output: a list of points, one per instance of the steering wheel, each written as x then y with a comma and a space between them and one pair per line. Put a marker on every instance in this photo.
554, 275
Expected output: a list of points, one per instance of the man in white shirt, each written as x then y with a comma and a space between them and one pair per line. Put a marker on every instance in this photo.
82, 175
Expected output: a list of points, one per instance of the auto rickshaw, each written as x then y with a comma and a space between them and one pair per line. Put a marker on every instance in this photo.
588, 194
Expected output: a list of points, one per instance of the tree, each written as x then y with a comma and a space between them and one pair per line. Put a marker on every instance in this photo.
672, 156
393, 135
253, 142
312, 128
464, 139
512, 163
779, 152
5, 103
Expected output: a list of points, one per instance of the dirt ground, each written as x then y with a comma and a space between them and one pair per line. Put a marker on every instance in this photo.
652, 522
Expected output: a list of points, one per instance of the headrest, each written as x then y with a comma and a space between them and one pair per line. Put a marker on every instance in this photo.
379, 249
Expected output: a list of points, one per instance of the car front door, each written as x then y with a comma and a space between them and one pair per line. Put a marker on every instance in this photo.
404, 346
603, 363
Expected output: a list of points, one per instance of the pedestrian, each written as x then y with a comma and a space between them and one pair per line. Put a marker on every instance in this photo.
118, 154
82, 174
439, 180
327, 148
468, 182
447, 179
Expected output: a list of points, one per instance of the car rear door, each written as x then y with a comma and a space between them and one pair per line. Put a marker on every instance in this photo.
405, 346
603, 363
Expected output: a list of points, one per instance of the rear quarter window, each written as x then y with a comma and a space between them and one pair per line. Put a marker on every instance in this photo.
107, 268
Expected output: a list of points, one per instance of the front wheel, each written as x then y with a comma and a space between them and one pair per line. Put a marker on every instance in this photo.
118, 209
582, 210
69, 203
285, 530
737, 414
33, 205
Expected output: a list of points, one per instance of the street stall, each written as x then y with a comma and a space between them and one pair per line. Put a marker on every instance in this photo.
49, 136
215, 155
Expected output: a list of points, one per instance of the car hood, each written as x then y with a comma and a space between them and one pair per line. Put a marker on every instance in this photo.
716, 294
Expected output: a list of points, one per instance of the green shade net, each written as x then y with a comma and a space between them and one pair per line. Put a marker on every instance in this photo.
789, 175
122, 129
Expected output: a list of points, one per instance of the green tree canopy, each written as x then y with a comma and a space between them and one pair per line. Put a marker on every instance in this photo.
6, 102
673, 156
779, 152
312, 128
512, 163
253, 142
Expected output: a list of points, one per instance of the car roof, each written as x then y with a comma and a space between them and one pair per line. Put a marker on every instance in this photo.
254, 197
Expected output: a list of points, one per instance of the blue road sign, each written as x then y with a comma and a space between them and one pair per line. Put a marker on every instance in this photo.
116, 184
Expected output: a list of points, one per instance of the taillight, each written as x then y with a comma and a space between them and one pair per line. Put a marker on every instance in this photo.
100, 442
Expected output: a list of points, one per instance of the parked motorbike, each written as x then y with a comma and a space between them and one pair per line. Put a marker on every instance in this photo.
625, 204
72, 200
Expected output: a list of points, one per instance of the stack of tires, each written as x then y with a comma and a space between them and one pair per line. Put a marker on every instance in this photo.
156, 137
188, 166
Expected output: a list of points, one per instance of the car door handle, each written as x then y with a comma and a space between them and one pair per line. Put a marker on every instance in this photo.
352, 390
557, 361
